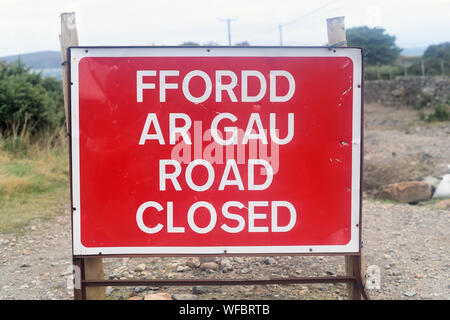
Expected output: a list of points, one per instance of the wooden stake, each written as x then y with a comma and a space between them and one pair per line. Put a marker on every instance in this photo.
353, 265
336, 31
93, 270
93, 267
67, 38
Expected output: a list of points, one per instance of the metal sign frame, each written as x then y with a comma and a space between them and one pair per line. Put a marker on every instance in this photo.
353, 249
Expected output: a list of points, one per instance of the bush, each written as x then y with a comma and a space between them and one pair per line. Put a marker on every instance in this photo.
371, 72
29, 103
440, 113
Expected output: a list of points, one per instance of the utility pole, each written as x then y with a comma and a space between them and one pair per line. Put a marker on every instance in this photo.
228, 21
281, 34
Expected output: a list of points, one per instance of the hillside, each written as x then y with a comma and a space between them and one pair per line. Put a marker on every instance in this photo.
47, 62
38, 60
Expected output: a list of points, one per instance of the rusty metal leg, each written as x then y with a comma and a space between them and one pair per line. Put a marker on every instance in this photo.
78, 274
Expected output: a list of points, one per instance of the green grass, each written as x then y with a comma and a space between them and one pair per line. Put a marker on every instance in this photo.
34, 181
384, 201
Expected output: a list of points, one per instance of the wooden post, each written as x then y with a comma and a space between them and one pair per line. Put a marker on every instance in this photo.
353, 265
93, 267
280, 30
93, 270
423, 68
336, 31
67, 38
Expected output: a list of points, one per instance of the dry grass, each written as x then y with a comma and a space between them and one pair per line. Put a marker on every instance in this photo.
34, 179
378, 173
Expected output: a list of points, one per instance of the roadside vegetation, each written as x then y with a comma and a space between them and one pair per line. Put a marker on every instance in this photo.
34, 168
438, 112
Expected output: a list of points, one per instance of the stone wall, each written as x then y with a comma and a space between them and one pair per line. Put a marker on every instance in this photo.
408, 91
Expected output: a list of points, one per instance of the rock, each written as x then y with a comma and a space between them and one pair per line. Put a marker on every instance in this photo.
433, 182
199, 289
409, 293
269, 261
407, 192
204, 259
158, 296
182, 268
121, 269
159, 266
184, 296
443, 204
225, 264
398, 92
114, 276
139, 268
109, 291
443, 189
139, 289
428, 91
245, 270
193, 262
209, 266
238, 259
25, 265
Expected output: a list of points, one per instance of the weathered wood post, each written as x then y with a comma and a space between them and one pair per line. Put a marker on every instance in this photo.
337, 37
67, 38
93, 267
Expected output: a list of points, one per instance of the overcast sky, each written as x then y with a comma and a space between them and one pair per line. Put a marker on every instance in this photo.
33, 25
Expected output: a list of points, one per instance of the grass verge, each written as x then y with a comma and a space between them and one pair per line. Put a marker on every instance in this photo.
34, 180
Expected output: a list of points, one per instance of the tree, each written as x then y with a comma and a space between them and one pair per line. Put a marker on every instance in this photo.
437, 59
28, 102
190, 44
380, 48
243, 44
438, 51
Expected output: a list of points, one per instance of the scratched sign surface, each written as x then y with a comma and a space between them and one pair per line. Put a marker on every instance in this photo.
215, 150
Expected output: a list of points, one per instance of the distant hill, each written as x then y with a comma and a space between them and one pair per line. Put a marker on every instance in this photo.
413, 51
47, 62
38, 60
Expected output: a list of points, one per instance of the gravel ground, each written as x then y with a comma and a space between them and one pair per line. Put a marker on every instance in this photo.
408, 243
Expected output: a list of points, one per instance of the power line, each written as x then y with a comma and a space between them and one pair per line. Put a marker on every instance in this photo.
309, 13
279, 27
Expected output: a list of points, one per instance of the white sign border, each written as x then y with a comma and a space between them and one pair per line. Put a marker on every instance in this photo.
355, 54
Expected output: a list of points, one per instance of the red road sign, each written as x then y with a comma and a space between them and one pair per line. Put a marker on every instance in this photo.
213, 150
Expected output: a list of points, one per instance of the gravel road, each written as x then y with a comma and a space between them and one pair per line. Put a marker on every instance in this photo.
408, 243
